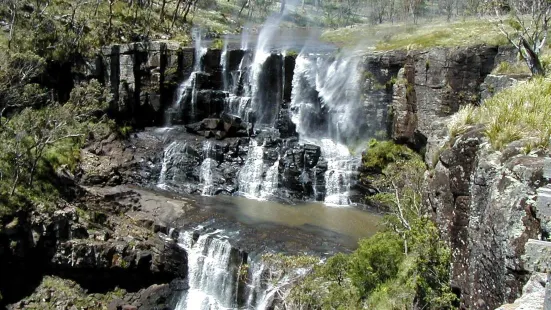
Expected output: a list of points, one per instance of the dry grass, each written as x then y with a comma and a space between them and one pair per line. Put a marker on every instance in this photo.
412, 37
522, 111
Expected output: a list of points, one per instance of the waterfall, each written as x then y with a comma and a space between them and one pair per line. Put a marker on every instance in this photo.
245, 39
250, 176
212, 273
325, 101
187, 89
174, 155
270, 183
341, 167
221, 277
224, 63
256, 291
208, 165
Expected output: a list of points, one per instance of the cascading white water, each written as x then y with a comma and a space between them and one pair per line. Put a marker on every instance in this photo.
224, 63
245, 39
239, 105
270, 183
206, 174
211, 273
250, 176
341, 166
215, 272
187, 89
256, 289
330, 87
174, 154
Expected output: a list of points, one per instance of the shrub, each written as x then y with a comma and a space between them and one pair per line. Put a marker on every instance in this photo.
375, 261
380, 153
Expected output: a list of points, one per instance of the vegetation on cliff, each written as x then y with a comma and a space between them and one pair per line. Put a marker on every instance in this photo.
521, 112
405, 266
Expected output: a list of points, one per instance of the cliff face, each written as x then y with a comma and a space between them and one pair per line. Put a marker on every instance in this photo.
142, 78
432, 85
484, 202
101, 241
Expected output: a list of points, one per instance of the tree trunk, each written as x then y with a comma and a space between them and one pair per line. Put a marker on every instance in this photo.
162, 16
111, 3
531, 58
12, 24
175, 13
15, 181
189, 4
242, 8
282, 7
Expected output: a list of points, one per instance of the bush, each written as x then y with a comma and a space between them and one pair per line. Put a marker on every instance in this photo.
406, 266
375, 261
381, 153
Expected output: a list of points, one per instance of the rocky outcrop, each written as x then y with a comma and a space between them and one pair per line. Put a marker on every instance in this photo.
533, 294
484, 203
496, 83
95, 241
143, 77
433, 85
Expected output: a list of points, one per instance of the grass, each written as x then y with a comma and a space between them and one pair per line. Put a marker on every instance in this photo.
413, 37
520, 112
517, 68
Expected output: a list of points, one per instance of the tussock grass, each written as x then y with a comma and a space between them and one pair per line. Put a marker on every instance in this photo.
522, 111
413, 37
517, 68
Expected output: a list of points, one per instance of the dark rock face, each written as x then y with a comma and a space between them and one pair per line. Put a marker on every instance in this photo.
142, 78
63, 243
483, 204
433, 85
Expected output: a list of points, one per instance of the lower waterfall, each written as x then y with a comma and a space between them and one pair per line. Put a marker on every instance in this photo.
222, 277
212, 273
269, 185
207, 178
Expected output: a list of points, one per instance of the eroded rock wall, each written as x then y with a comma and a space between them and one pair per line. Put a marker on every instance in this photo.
484, 202
143, 77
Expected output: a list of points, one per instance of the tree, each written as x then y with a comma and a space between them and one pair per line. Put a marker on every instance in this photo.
28, 135
378, 10
525, 28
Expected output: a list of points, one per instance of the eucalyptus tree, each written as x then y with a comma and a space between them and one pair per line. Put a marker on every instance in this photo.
525, 23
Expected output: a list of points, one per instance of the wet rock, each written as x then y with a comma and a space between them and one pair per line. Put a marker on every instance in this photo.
194, 128
211, 123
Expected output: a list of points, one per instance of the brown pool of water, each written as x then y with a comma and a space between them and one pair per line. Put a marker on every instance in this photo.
351, 223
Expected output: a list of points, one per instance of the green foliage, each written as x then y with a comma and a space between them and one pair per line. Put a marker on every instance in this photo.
40, 139
515, 113
380, 153
291, 53
217, 44
375, 261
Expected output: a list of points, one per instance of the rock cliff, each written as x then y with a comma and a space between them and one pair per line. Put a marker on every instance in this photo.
484, 202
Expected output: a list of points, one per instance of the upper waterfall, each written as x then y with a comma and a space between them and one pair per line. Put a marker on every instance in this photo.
291, 126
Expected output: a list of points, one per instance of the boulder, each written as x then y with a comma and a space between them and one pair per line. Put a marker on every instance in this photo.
211, 123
